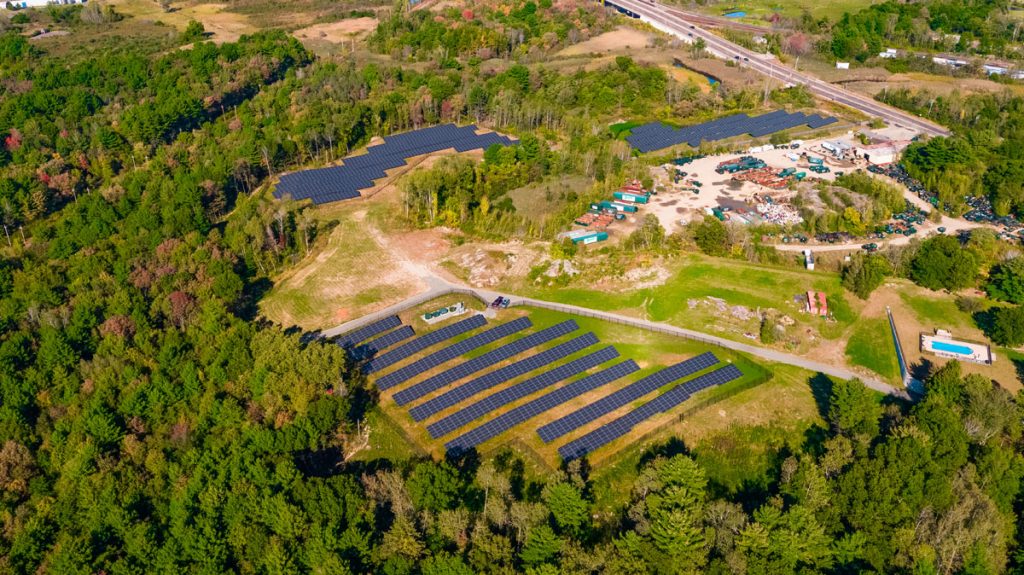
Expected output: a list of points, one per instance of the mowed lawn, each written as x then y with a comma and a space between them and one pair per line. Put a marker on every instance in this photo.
651, 351
871, 346
738, 283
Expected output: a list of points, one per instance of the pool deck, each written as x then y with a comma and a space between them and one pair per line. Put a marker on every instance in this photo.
980, 353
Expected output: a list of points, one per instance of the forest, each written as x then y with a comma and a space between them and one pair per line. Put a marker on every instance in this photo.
980, 26
151, 423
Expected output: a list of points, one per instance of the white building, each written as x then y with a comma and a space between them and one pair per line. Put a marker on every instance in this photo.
837, 148
993, 69
881, 153
842, 65
951, 62
889, 53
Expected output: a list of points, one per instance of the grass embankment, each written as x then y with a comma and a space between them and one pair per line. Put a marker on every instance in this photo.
871, 346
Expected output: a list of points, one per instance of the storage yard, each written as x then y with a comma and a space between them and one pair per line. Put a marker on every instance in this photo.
752, 187
592, 225
561, 386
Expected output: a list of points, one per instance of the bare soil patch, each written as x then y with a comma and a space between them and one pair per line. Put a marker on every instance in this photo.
619, 39
337, 32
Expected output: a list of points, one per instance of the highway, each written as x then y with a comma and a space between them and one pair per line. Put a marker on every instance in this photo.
675, 22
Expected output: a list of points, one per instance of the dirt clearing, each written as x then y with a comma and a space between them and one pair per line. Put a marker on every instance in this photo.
221, 24
618, 39
338, 32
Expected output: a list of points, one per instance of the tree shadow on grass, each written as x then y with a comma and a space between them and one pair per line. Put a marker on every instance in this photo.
922, 369
1018, 364
670, 448
821, 390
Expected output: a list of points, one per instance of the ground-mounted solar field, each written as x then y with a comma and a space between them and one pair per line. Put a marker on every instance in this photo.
657, 136
336, 183
553, 386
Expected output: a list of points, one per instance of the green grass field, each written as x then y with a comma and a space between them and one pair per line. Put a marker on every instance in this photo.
871, 346
738, 283
758, 10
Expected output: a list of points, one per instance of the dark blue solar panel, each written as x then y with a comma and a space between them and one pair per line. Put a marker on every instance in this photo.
533, 408
499, 376
534, 384
664, 402
453, 351
656, 136
354, 337
419, 344
490, 358
360, 172
383, 342
631, 392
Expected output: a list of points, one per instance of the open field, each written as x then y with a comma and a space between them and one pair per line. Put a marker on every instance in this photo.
339, 282
759, 10
337, 32
622, 38
651, 351
685, 298
222, 24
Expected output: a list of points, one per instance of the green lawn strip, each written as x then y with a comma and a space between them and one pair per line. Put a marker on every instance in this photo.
871, 346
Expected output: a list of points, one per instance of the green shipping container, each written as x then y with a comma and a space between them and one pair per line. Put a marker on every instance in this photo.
591, 238
629, 197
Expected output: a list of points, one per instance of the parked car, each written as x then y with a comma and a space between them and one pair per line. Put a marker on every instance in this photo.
505, 302
497, 302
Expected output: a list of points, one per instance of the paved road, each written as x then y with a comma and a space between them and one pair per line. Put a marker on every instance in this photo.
440, 287
675, 22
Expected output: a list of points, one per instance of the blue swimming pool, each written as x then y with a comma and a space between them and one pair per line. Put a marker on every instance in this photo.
952, 348
739, 14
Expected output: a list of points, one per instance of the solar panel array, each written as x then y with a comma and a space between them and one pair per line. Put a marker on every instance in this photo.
419, 344
533, 408
655, 136
492, 357
383, 342
631, 392
621, 426
451, 352
534, 384
499, 376
353, 337
343, 182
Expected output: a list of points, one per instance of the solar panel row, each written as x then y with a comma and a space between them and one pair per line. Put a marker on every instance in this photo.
383, 342
631, 392
415, 346
359, 172
453, 351
474, 365
501, 375
621, 426
655, 136
534, 384
533, 408
363, 333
